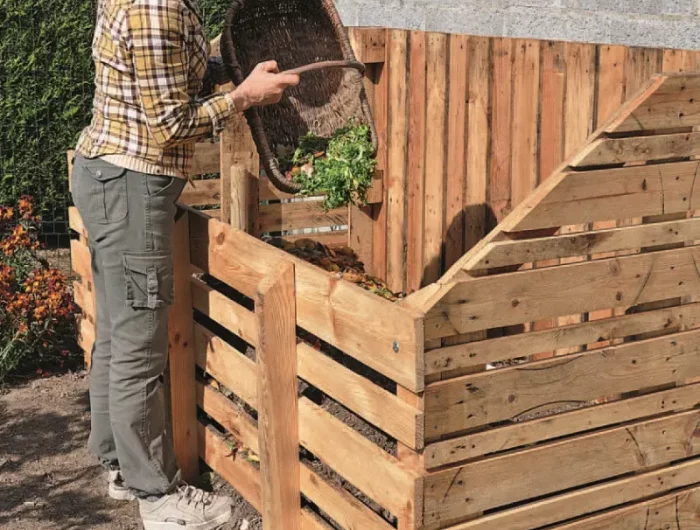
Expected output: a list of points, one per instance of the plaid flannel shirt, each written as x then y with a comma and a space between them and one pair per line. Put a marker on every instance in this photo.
150, 58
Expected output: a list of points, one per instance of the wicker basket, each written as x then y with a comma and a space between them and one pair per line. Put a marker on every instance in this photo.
294, 33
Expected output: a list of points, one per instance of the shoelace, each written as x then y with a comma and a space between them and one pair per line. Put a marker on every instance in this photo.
192, 494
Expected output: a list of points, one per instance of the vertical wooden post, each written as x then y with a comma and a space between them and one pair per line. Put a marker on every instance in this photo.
243, 170
278, 424
182, 364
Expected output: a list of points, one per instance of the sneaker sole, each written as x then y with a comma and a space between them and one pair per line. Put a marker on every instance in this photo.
210, 525
121, 494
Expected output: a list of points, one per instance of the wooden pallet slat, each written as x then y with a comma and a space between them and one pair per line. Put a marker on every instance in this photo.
517, 435
456, 492
488, 397
501, 300
588, 500
301, 214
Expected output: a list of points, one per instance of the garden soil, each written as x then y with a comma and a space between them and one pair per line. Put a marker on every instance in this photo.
48, 481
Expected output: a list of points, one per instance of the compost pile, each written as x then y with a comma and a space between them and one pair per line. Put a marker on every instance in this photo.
339, 260
340, 167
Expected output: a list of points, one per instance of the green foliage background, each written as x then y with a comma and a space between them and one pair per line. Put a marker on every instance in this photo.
46, 86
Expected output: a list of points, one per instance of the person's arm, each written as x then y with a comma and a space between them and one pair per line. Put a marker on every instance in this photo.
215, 75
161, 68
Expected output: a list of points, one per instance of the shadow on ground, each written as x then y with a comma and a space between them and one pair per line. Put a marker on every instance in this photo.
47, 478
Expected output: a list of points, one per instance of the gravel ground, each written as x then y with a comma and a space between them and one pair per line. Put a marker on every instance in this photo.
47, 478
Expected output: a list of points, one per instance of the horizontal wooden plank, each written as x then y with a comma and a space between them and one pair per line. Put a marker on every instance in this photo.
515, 252
76, 222
608, 151
244, 477
524, 344
512, 436
678, 510
375, 472
589, 500
237, 471
335, 238
81, 260
621, 193
462, 491
207, 156
228, 415
371, 402
268, 192
229, 366
201, 193
340, 505
221, 309
673, 102
470, 401
294, 215
382, 335
502, 300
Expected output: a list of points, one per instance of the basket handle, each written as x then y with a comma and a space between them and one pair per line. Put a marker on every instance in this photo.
323, 65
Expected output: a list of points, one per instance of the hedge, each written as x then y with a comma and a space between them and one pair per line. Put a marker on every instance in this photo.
46, 85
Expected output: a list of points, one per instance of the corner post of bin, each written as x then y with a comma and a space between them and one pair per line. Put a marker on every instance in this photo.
278, 416
183, 401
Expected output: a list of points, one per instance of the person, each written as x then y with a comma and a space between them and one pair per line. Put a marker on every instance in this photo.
130, 167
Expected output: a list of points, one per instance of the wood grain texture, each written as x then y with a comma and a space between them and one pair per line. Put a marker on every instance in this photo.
678, 509
278, 424
460, 491
497, 395
301, 214
182, 356
518, 435
589, 500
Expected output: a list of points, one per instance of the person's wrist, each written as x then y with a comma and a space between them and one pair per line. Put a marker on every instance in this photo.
239, 99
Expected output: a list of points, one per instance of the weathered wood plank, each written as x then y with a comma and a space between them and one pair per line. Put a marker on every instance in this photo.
461, 491
678, 510
332, 238
543, 429
506, 299
415, 222
359, 323
369, 44
478, 140
499, 185
456, 139
436, 150
498, 395
616, 193
278, 425
378, 474
589, 500
514, 252
229, 366
675, 102
363, 397
81, 260
303, 214
526, 344
182, 356
229, 415
75, 222
609, 151
396, 153
221, 309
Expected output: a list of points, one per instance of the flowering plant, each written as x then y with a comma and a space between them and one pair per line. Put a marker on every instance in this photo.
37, 324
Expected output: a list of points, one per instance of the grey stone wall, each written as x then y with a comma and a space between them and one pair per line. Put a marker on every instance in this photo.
652, 23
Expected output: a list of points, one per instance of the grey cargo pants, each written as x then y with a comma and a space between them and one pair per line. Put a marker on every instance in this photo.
129, 217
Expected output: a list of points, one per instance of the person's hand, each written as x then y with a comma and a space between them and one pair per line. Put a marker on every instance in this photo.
264, 86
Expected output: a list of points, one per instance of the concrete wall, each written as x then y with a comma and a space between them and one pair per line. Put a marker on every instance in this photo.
652, 23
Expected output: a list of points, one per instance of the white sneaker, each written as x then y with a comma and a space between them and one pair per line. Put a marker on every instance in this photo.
117, 489
187, 508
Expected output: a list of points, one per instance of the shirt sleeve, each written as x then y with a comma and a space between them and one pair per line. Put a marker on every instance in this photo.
161, 62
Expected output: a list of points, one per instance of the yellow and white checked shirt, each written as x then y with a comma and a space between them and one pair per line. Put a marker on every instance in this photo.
150, 58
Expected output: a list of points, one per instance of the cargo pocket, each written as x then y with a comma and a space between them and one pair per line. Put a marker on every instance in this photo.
108, 199
149, 279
